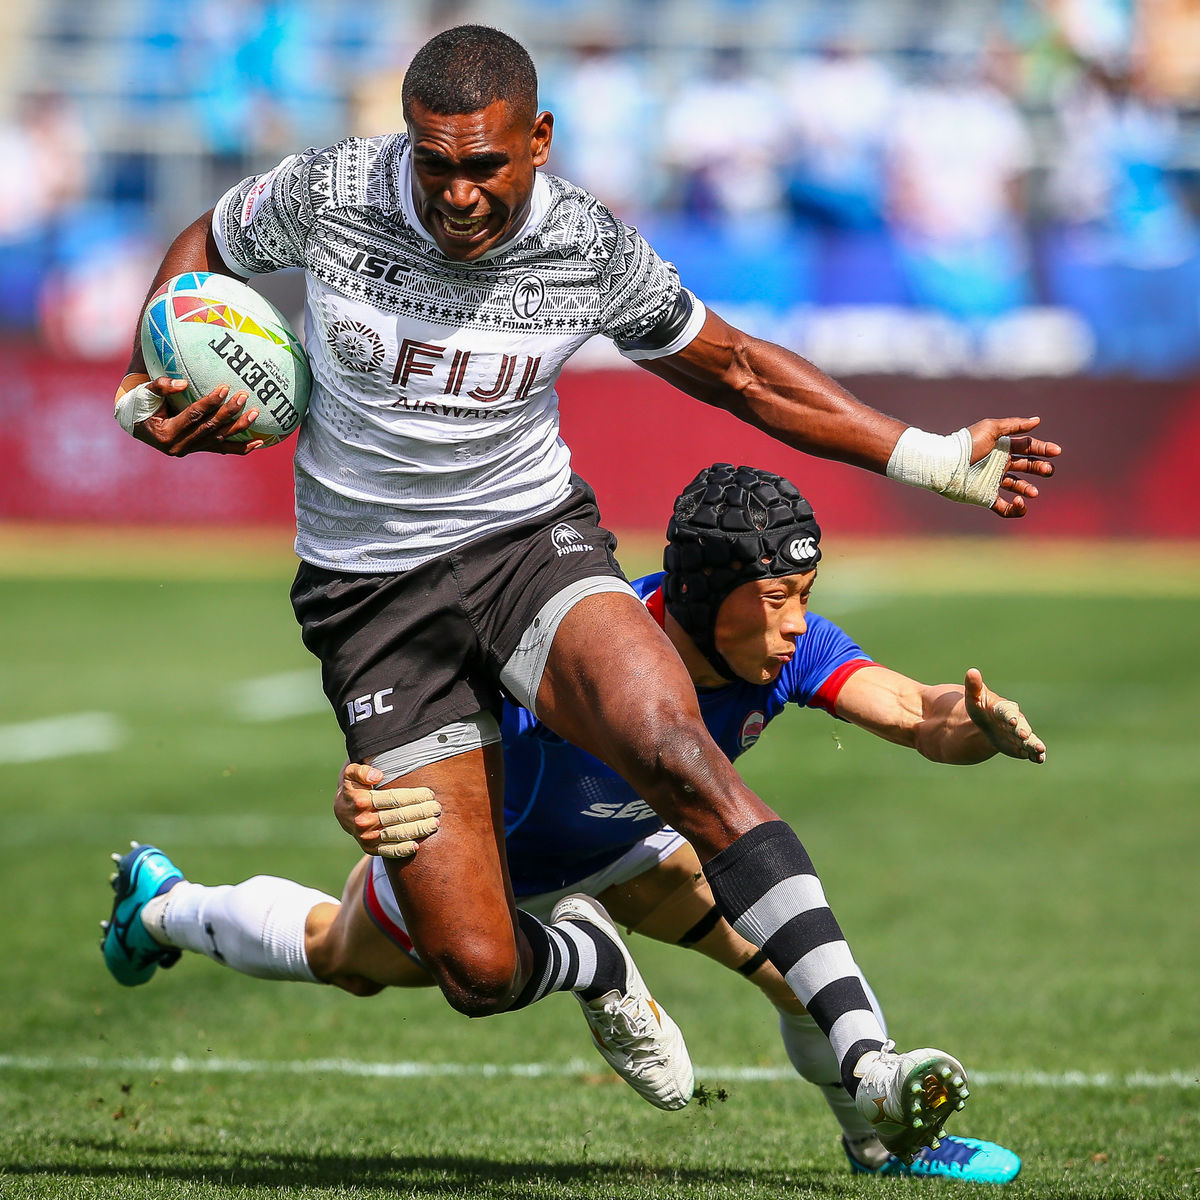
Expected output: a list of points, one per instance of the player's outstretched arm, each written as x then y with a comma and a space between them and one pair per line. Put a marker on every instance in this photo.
207, 424
390, 823
786, 396
944, 722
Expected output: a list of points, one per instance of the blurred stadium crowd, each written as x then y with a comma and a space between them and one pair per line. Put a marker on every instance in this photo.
932, 187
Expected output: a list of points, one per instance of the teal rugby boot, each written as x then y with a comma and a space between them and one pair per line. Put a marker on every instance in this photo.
130, 953
968, 1159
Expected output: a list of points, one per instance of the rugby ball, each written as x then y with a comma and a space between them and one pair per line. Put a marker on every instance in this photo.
213, 329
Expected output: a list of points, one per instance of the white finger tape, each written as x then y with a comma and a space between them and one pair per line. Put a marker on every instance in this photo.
134, 406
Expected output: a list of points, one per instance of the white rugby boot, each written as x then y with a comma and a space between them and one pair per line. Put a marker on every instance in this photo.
634, 1034
908, 1097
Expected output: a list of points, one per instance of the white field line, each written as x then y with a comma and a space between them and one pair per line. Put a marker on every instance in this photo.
279, 697
182, 1065
60, 737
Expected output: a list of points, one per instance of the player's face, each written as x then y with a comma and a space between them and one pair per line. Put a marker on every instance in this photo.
759, 622
473, 174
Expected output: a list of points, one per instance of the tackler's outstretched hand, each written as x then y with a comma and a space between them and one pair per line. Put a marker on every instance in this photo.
390, 823
1026, 456
1001, 721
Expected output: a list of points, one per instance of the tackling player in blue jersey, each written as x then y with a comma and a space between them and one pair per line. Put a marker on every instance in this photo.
742, 627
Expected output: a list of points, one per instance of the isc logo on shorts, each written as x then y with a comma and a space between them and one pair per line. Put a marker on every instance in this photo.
368, 706
568, 540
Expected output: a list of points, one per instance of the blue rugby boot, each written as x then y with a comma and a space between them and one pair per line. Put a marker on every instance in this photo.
963, 1158
130, 953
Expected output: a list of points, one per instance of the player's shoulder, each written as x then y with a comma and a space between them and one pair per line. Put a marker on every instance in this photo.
576, 223
355, 171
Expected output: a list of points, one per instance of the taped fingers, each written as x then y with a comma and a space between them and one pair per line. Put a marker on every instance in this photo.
404, 849
405, 799
406, 816
415, 815
1009, 713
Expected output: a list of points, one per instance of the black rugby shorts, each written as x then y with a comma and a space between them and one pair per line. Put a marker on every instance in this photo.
404, 654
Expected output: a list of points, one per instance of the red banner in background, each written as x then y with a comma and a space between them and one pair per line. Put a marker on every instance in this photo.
1131, 460
64, 458
1130, 452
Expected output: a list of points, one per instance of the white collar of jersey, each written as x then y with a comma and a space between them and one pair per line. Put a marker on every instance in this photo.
538, 206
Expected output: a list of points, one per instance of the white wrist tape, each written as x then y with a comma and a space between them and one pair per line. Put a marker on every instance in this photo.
135, 405
942, 463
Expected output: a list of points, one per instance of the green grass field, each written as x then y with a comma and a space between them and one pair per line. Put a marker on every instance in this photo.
1041, 923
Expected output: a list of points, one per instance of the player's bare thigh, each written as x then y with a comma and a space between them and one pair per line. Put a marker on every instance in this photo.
455, 895
673, 903
615, 686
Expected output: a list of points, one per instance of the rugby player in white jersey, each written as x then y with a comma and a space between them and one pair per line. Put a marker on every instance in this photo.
752, 647
449, 556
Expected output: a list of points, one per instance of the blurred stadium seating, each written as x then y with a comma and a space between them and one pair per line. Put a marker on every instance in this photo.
963, 159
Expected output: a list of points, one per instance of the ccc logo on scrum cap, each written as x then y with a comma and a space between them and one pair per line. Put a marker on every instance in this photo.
801, 548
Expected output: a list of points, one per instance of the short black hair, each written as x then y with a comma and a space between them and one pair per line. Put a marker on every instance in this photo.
467, 68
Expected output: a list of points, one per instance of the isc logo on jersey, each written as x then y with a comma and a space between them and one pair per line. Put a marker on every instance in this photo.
568, 540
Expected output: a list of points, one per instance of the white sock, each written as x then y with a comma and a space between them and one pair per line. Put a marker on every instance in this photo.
256, 927
813, 1057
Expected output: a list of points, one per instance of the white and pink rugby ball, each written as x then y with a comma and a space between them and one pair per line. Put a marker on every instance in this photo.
213, 329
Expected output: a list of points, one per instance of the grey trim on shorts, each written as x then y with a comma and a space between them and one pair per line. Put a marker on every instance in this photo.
522, 674
471, 733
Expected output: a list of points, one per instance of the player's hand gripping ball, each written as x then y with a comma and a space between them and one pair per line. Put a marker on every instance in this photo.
211, 330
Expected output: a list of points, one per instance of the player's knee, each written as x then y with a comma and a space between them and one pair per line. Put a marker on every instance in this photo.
478, 982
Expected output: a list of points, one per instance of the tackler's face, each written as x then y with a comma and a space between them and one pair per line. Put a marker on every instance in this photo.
473, 174
758, 624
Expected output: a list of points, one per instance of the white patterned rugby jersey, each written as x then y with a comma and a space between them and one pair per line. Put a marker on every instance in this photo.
433, 418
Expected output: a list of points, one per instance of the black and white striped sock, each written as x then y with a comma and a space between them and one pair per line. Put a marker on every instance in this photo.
569, 956
769, 892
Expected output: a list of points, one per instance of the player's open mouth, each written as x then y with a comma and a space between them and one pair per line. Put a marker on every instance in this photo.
462, 229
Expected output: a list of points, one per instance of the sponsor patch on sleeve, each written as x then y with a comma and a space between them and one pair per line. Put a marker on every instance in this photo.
256, 195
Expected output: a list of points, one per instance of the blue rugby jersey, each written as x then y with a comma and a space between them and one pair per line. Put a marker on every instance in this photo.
568, 815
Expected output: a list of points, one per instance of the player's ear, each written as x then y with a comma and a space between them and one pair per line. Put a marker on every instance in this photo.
540, 137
